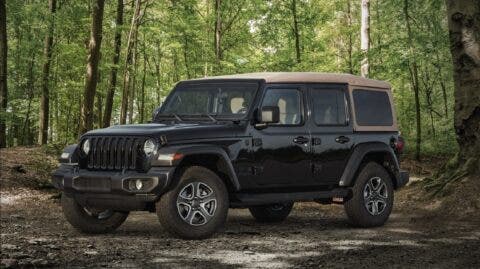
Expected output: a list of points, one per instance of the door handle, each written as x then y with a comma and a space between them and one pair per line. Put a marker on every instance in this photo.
342, 139
300, 140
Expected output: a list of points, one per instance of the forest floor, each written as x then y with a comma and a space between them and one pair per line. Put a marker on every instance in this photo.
418, 234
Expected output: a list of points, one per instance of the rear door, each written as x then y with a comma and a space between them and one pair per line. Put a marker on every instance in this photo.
331, 130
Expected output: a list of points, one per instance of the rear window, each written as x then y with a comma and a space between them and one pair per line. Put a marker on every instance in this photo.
372, 108
329, 106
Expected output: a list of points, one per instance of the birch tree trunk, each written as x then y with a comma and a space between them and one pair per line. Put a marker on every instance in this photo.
107, 116
3, 73
365, 38
86, 122
45, 97
464, 29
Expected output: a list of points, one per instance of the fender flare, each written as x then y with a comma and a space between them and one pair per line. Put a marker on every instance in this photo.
358, 155
189, 150
72, 151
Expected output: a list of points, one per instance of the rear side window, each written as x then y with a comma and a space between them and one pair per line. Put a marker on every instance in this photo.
329, 106
372, 108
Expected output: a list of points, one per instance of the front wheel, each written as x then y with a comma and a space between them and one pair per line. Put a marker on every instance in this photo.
372, 199
197, 207
271, 213
91, 220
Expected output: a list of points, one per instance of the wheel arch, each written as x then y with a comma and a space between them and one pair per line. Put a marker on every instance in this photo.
378, 152
211, 157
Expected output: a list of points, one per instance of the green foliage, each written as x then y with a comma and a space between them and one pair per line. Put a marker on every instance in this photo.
176, 41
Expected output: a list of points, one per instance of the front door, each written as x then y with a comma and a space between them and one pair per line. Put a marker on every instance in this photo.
331, 130
282, 151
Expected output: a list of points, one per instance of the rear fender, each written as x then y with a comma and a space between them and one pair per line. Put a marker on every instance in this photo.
358, 156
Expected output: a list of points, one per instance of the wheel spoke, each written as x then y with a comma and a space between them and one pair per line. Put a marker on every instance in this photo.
190, 216
203, 211
375, 207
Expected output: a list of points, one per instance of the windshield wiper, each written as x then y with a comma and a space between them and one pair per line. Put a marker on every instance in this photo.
175, 115
211, 117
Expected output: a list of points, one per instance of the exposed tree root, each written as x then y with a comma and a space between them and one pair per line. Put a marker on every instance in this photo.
453, 171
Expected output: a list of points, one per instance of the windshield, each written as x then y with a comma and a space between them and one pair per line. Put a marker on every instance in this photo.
229, 100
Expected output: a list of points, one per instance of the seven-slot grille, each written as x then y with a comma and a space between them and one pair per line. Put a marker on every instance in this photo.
114, 153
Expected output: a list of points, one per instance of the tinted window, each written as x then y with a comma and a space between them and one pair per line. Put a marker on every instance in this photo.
329, 106
212, 99
289, 102
372, 108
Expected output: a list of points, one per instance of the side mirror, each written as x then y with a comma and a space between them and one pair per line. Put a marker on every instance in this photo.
269, 114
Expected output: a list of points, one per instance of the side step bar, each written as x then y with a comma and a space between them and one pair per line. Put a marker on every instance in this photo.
251, 199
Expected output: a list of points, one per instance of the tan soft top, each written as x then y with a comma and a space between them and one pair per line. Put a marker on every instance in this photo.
307, 77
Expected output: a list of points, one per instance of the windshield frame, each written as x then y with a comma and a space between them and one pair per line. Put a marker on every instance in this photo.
214, 82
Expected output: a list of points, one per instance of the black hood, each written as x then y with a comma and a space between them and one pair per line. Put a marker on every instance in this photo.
174, 132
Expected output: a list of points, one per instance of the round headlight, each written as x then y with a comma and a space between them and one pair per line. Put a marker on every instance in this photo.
138, 184
149, 147
86, 146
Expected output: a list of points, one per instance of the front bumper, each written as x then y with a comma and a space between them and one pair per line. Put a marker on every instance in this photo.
112, 189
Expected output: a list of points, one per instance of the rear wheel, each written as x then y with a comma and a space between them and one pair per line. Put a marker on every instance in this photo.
271, 213
372, 200
197, 207
91, 220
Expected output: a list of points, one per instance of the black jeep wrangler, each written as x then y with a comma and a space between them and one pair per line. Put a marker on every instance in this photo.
260, 141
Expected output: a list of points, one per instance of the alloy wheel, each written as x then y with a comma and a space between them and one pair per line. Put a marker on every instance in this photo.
196, 203
375, 196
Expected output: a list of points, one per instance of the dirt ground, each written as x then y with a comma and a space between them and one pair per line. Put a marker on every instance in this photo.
34, 233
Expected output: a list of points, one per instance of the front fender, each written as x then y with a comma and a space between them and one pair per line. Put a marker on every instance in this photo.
69, 155
173, 156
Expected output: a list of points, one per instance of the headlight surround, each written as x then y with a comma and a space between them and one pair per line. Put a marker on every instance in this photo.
86, 146
149, 147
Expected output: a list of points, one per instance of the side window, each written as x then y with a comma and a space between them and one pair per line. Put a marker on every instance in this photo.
329, 107
372, 108
289, 101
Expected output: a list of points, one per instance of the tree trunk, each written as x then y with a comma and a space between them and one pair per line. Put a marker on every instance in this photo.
3, 74
296, 31
365, 38
113, 72
128, 62
218, 33
133, 88
142, 91
86, 122
158, 75
30, 95
350, 37
413, 68
45, 97
464, 29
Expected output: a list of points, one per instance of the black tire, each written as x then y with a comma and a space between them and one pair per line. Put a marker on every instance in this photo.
90, 223
271, 213
204, 222
361, 207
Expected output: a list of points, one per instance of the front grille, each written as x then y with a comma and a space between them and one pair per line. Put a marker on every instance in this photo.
114, 153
